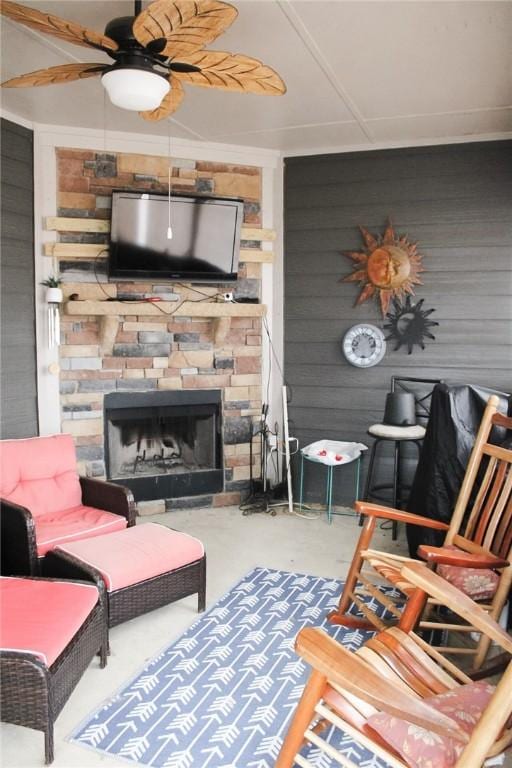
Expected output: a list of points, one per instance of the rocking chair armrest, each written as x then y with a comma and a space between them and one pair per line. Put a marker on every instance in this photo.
401, 516
442, 556
18, 538
109, 496
435, 586
345, 669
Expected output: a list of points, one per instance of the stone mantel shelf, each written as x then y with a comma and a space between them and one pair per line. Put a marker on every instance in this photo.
155, 309
110, 311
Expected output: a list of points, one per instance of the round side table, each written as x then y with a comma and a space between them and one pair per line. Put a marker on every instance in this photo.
351, 452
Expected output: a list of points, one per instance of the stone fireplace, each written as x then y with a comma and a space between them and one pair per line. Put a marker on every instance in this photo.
164, 444
129, 384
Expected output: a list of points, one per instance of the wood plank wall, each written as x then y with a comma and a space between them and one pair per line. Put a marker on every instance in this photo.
456, 202
18, 394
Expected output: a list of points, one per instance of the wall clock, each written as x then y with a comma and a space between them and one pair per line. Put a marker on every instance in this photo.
364, 345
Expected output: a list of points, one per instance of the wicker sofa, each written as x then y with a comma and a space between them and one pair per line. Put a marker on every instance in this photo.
43, 502
51, 630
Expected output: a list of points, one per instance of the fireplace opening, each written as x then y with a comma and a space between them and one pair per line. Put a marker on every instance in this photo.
165, 440
164, 444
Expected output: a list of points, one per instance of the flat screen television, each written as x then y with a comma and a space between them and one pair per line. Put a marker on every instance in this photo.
205, 242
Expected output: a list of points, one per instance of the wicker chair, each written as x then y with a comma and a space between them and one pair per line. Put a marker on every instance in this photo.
35, 685
399, 698
43, 502
476, 555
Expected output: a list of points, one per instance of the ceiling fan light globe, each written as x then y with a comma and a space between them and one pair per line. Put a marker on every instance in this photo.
135, 89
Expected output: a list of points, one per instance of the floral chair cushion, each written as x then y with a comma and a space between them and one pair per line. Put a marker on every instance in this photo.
421, 748
477, 583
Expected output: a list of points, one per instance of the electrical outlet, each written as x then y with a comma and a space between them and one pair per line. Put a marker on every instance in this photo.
228, 296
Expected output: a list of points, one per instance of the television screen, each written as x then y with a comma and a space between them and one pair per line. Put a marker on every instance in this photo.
204, 246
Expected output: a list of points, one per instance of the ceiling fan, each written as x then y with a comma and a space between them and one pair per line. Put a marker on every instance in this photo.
154, 52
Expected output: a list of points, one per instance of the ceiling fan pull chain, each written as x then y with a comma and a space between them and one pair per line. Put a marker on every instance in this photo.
169, 227
104, 121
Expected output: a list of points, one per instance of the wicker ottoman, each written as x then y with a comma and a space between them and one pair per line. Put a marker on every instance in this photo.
51, 630
142, 568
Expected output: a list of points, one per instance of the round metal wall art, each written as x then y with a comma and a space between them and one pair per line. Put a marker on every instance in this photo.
408, 324
387, 268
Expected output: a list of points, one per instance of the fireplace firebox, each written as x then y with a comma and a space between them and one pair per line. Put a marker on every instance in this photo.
165, 444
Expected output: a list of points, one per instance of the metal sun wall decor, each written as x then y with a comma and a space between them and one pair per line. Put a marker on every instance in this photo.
388, 267
408, 324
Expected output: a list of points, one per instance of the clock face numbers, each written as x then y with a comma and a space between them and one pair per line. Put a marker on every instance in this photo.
364, 345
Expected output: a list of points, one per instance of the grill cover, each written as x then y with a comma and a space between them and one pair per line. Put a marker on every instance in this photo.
455, 415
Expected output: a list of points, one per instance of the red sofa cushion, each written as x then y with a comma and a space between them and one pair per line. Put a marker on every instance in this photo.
128, 557
40, 616
39, 473
56, 528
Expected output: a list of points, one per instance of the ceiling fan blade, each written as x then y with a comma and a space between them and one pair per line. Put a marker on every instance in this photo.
232, 72
65, 73
169, 104
186, 25
54, 25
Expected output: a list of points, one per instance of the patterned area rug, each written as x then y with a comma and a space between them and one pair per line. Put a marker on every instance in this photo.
222, 696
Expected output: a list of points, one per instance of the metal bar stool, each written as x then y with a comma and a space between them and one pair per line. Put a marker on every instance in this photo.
407, 404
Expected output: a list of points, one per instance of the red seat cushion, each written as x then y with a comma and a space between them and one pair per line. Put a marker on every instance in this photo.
127, 557
39, 473
477, 583
420, 748
40, 616
70, 524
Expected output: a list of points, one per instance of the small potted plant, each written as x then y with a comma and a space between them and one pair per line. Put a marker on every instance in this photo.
53, 292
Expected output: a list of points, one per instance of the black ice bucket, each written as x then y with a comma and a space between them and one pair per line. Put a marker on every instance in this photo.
400, 409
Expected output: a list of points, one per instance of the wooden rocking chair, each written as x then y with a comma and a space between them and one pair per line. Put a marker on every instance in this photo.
476, 555
399, 698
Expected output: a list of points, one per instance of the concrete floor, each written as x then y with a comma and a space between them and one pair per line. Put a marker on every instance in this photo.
234, 545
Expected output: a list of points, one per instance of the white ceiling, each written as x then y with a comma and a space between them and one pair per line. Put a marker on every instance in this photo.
358, 74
